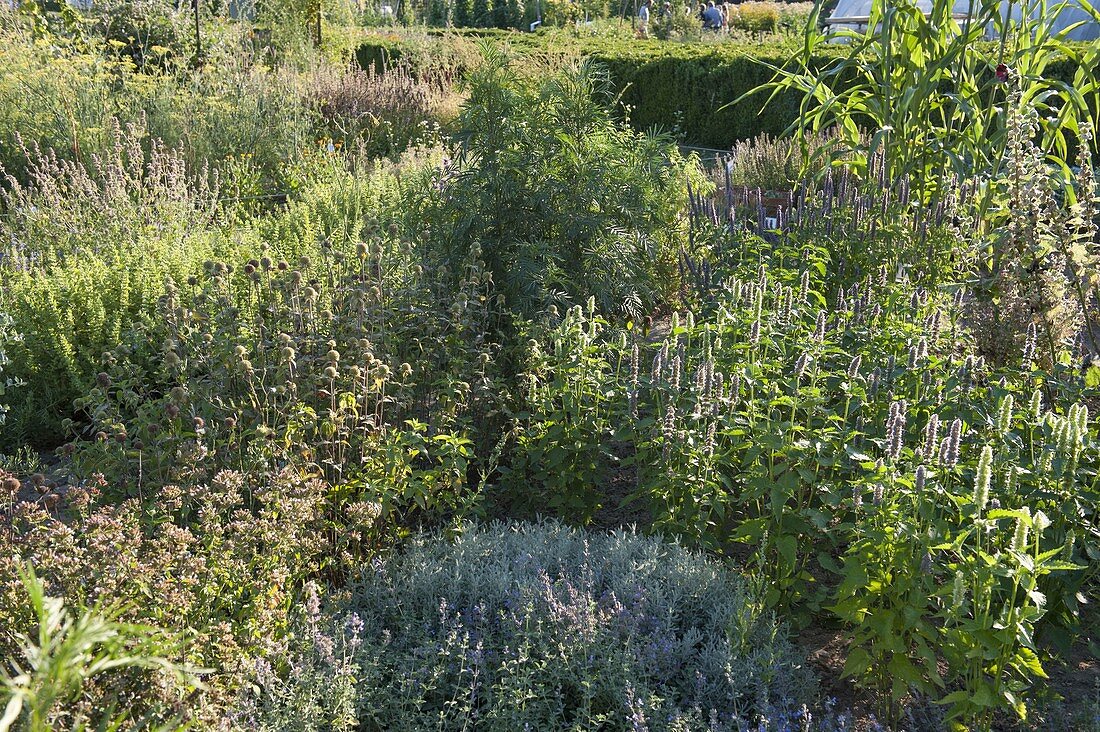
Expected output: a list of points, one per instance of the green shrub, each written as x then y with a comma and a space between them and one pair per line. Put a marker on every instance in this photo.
8, 336
555, 197
87, 253
533, 626
329, 351
679, 25
65, 99
755, 17
148, 32
58, 102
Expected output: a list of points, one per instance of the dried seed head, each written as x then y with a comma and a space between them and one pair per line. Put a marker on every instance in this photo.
931, 437
1031, 341
11, 485
954, 443
103, 379
853, 367
895, 429
800, 365
330, 372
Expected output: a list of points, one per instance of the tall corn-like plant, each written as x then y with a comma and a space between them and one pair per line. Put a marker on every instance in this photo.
923, 89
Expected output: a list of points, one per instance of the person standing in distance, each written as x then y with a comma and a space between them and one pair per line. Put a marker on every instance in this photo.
643, 19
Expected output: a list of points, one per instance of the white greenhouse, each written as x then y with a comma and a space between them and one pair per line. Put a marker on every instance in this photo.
854, 15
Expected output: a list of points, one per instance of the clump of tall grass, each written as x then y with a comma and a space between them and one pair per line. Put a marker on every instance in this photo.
384, 112
777, 164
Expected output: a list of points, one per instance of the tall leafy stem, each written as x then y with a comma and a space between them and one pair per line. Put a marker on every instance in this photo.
923, 88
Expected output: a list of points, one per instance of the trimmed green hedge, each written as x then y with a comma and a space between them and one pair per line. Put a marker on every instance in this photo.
673, 86
690, 89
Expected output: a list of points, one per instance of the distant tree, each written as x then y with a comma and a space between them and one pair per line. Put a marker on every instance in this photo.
480, 13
